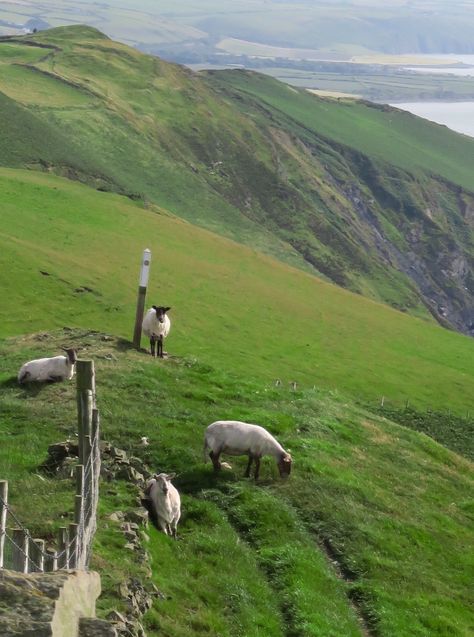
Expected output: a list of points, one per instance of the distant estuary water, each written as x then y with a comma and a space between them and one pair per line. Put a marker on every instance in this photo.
459, 116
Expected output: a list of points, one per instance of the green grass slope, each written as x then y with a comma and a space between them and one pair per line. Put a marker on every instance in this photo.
29, 140
265, 174
396, 136
390, 507
69, 255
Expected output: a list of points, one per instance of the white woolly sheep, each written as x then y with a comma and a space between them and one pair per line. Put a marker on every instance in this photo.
240, 438
156, 325
165, 502
49, 369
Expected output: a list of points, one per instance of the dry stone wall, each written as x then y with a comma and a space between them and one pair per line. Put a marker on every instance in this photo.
49, 604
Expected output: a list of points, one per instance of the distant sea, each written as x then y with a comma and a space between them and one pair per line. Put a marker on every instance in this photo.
459, 116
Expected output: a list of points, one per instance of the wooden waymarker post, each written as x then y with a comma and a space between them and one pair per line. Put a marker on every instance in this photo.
142, 286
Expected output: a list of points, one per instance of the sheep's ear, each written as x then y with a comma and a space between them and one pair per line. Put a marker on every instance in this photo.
170, 476
154, 307
166, 309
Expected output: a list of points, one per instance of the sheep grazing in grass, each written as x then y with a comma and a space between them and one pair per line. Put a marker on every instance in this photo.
156, 325
240, 438
165, 502
54, 369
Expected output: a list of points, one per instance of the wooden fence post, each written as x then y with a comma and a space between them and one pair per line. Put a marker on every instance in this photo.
79, 481
63, 548
3, 517
37, 555
52, 561
88, 479
142, 286
85, 382
20, 550
73, 546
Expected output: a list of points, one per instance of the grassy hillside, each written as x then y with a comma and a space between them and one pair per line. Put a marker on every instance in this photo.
379, 131
251, 159
69, 255
368, 499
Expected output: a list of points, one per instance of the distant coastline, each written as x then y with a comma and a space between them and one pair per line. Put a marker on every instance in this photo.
458, 116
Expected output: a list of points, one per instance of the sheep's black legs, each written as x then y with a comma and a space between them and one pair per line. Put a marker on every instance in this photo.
247, 470
160, 346
215, 460
156, 346
257, 467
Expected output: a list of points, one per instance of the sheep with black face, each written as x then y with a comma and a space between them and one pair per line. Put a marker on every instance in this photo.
156, 325
53, 369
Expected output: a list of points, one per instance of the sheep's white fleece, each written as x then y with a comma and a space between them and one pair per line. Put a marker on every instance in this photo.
151, 326
167, 506
43, 369
238, 438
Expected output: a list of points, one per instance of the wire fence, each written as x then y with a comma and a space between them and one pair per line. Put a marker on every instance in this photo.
19, 551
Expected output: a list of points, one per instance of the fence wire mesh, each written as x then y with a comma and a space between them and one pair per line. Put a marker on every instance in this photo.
20, 552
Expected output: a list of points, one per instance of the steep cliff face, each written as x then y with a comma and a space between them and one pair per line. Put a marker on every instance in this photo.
403, 236
374, 199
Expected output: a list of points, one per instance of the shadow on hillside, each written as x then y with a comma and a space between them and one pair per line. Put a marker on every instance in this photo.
200, 478
122, 345
9, 383
28, 389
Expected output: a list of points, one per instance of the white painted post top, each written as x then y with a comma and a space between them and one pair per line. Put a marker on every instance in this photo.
145, 269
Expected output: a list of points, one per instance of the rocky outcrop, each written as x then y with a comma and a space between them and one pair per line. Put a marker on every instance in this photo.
47, 604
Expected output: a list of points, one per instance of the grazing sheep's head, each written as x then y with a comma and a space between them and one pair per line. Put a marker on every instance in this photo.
163, 481
160, 312
284, 465
71, 354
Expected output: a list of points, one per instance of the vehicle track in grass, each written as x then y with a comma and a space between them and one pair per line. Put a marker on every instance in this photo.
307, 588
349, 578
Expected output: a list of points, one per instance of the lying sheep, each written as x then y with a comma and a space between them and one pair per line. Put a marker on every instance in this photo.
156, 325
165, 502
49, 369
240, 438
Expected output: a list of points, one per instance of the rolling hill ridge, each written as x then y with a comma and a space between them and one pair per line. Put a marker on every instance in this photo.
373, 199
